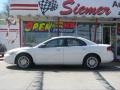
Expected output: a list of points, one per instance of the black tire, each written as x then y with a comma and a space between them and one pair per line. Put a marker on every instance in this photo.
24, 61
91, 62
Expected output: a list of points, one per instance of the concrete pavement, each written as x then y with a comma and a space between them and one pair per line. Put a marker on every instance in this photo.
59, 78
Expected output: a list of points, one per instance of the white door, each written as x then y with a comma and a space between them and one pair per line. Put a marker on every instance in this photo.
52, 53
74, 51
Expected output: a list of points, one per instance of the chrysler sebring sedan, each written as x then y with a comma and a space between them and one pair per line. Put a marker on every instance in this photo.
63, 50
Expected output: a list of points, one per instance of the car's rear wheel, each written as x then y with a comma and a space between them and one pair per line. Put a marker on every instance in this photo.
91, 62
24, 61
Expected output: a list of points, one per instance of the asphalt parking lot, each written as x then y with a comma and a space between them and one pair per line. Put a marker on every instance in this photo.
60, 77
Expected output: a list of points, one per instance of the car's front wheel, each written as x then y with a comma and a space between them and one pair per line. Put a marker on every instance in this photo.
91, 62
24, 61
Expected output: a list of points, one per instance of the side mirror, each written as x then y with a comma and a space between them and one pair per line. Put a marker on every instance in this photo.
42, 46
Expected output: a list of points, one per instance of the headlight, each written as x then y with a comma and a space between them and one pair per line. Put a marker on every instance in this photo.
9, 53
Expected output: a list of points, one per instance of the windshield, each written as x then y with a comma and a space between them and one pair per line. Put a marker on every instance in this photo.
42, 43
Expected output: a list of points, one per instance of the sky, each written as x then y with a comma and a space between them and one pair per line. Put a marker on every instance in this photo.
2, 3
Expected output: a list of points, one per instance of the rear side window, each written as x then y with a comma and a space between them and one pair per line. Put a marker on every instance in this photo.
82, 43
75, 42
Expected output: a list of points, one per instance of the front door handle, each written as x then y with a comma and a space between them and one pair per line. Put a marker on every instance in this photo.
58, 49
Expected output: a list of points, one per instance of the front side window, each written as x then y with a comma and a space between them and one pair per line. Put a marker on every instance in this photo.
55, 43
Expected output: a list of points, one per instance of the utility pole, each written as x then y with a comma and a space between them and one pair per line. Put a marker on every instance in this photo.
58, 32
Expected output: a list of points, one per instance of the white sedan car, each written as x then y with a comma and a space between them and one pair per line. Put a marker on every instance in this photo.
63, 50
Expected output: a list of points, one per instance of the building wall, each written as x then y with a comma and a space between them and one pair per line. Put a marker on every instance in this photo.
86, 13
10, 37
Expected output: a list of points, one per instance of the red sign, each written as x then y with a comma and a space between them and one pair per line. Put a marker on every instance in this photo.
69, 25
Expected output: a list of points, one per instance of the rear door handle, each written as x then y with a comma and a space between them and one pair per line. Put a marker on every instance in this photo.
83, 48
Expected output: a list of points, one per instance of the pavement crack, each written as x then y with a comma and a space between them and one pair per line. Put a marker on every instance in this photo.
37, 83
41, 79
106, 84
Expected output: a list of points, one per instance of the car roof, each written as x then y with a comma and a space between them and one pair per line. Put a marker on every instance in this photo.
69, 37
65, 37
86, 40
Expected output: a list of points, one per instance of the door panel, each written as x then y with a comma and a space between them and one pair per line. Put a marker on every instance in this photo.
73, 51
73, 54
50, 55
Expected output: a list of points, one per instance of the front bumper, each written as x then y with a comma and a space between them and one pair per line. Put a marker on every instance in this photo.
9, 58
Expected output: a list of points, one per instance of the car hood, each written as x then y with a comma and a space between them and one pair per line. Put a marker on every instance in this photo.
18, 49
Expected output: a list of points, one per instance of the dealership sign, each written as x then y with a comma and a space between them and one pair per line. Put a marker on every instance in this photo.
79, 8
88, 8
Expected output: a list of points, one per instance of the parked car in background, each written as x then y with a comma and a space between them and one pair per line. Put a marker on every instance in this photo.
3, 49
63, 50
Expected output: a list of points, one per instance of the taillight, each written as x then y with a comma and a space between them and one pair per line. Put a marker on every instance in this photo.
109, 48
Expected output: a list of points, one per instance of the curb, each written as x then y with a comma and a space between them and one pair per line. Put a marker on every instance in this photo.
113, 63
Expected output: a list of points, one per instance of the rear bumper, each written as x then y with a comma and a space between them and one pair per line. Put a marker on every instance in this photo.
107, 57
